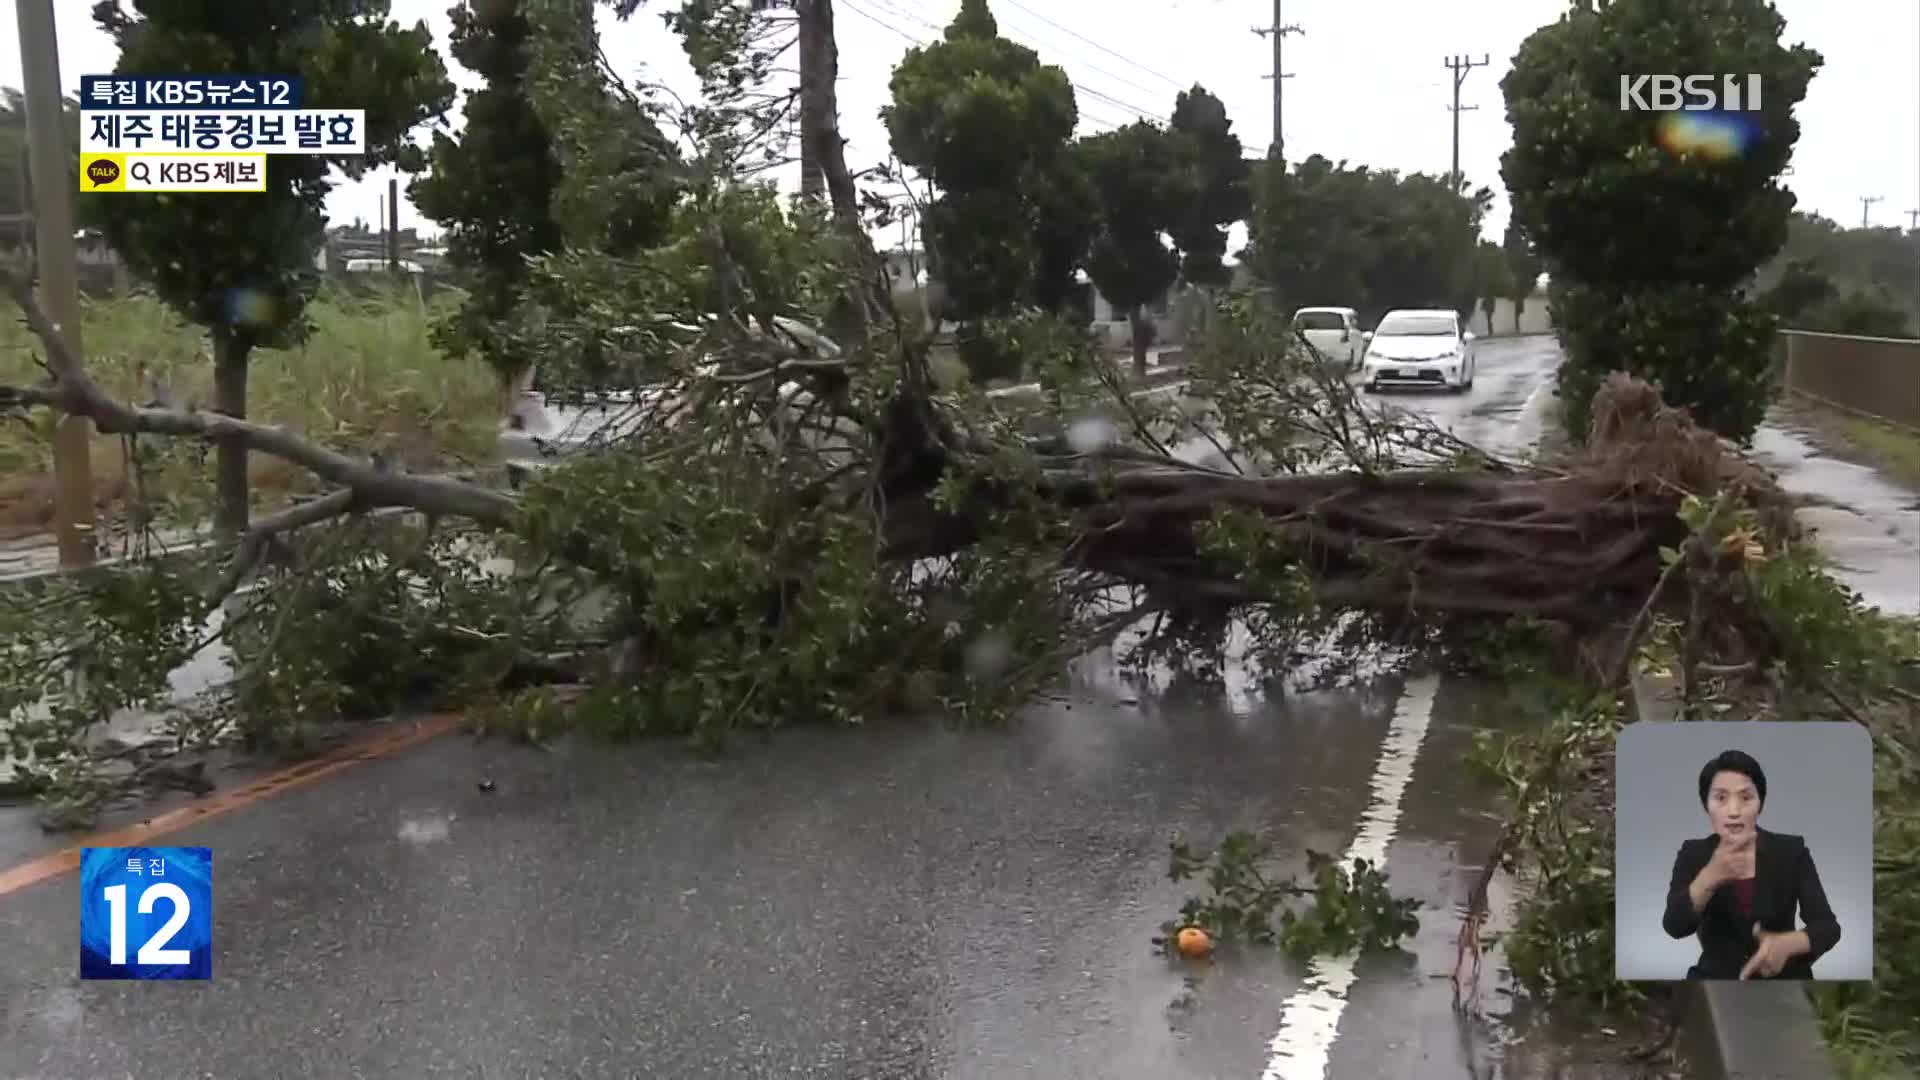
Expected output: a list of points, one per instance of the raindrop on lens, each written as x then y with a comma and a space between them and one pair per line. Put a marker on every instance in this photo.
988, 656
1091, 434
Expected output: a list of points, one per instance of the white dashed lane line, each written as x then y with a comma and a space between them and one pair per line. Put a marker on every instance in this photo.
1310, 1019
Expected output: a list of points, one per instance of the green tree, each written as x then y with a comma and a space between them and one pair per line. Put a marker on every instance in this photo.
1523, 269
492, 186
1873, 259
1867, 312
1581, 166
1216, 187
1802, 289
1372, 239
989, 125
1136, 172
242, 265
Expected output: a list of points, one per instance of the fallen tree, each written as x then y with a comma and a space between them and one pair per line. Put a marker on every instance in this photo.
1576, 544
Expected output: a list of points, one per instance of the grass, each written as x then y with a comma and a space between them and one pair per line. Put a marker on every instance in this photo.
367, 379
1893, 450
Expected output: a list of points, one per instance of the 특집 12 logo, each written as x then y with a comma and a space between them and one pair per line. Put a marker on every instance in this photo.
146, 913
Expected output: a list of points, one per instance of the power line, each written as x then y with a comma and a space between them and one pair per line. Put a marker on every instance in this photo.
1079, 85
881, 23
1175, 83
1099, 121
1122, 79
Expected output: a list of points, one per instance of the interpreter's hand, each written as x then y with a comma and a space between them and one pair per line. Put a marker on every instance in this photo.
1772, 955
1730, 862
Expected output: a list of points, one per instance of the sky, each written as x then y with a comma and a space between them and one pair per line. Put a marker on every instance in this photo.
1369, 80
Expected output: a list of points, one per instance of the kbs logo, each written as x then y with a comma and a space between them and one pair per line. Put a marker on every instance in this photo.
1690, 93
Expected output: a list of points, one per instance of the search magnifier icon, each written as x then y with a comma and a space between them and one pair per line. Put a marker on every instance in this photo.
141, 172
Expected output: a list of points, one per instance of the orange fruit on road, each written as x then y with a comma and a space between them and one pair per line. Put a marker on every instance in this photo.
1193, 942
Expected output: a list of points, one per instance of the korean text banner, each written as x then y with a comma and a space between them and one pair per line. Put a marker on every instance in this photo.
191, 91
333, 132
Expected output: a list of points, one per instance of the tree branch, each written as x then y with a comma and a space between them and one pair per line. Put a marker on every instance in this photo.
254, 543
74, 392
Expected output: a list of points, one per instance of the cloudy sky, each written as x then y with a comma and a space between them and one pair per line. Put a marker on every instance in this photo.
1369, 79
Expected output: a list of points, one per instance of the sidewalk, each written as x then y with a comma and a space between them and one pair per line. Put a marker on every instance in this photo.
1867, 523
37, 555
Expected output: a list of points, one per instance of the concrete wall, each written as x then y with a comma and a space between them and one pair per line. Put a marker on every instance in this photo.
1879, 377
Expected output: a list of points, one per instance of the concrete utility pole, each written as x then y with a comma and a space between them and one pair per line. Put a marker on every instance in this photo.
1461, 66
393, 225
1866, 204
1913, 219
1278, 31
58, 277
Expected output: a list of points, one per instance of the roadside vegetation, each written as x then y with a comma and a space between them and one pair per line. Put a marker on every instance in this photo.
793, 534
368, 377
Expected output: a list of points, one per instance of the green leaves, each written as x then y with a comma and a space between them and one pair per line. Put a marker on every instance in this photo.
1214, 182
1137, 174
1326, 233
199, 251
988, 124
1351, 909
1658, 299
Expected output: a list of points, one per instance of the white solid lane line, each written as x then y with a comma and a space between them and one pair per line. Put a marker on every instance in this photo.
1310, 1019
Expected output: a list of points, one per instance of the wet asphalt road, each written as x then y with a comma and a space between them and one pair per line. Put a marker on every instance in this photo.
900, 903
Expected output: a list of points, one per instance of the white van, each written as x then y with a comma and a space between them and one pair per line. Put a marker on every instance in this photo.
1334, 333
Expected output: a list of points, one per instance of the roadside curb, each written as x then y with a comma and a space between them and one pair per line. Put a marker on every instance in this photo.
1740, 1030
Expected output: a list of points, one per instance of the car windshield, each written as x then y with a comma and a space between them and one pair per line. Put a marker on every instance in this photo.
1415, 326
1319, 320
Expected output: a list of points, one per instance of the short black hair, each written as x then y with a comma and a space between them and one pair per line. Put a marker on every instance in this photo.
1733, 761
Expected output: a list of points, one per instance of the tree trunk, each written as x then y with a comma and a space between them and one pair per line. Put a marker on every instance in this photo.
866, 301
820, 111
1137, 322
811, 41
1519, 305
230, 457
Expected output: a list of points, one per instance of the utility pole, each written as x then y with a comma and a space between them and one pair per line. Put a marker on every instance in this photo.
1866, 204
393, 225
1913, 220
1278, 31
1461, 66
58, 277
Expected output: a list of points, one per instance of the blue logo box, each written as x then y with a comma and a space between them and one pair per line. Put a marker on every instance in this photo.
146, 913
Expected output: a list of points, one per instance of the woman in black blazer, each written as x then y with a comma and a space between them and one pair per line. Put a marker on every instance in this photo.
1738, 888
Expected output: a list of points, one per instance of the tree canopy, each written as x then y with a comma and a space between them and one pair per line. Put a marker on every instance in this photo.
1326, 233
1659, 298
492, 186
242, 265
1140, 189
987, 124
1214, 187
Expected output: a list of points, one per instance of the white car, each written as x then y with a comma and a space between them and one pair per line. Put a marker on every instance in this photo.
1334, 333
1419, 347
